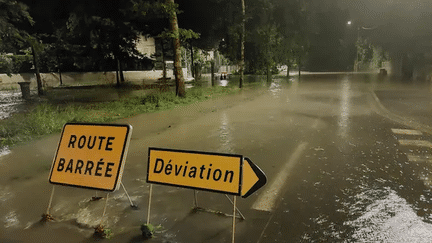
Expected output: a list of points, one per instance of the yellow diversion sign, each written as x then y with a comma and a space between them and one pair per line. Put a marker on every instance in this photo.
91, 156
203, 170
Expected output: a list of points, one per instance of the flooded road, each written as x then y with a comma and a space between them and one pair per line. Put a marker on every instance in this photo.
337, 172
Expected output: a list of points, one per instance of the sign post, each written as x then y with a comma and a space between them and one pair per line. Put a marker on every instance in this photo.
90, 156
216, 172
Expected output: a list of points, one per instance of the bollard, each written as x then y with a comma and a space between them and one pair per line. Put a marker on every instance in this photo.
25, 90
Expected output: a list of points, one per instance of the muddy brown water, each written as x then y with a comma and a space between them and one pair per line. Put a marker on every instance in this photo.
352, 184
25, 193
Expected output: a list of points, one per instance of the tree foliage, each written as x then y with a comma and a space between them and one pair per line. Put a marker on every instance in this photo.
14, 17
102, 34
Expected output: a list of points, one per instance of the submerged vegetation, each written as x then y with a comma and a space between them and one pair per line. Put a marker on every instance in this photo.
47, 118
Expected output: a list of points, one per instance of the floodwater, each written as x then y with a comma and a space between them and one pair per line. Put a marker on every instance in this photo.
10, 102
351, 182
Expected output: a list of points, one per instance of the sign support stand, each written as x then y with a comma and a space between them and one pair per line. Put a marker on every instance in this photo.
127, 194
224, 173
96, 198
233, 203
196, 208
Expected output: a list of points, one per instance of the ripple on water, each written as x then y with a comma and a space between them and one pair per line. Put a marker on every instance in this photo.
10, 102
389, 219
4, 151
11, 220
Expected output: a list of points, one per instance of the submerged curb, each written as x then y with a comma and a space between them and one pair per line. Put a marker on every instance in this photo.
380, 109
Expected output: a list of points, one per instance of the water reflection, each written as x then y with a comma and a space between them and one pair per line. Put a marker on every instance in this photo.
225, 134
344, 109
223, 83
275, 88
294, 88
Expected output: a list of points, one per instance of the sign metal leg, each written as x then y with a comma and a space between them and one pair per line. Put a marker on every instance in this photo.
195, 198
96, 197
148, 210
104, 211
234, 219
99, 230
50, 200
127, 194
47, 217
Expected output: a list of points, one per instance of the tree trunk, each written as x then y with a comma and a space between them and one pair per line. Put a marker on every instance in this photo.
269, 75
117, 72
60, 76
299, 66
38, 76
120, 67
288, 70
242, 43
192, 62
180, 86
59, 71
164, 84
164, 70
212, 67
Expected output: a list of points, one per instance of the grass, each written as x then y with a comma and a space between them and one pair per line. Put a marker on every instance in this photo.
7, 88
47, 118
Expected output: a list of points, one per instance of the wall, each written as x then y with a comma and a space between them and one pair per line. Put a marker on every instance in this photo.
88, 78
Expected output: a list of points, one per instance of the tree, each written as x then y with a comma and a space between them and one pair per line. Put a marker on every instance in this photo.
328, 27
16, 34
291, 17
180, 87
14, 18
107, 34
162, 11
270, 38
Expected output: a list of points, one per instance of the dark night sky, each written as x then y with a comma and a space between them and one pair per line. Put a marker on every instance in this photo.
377, 12
401, 23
